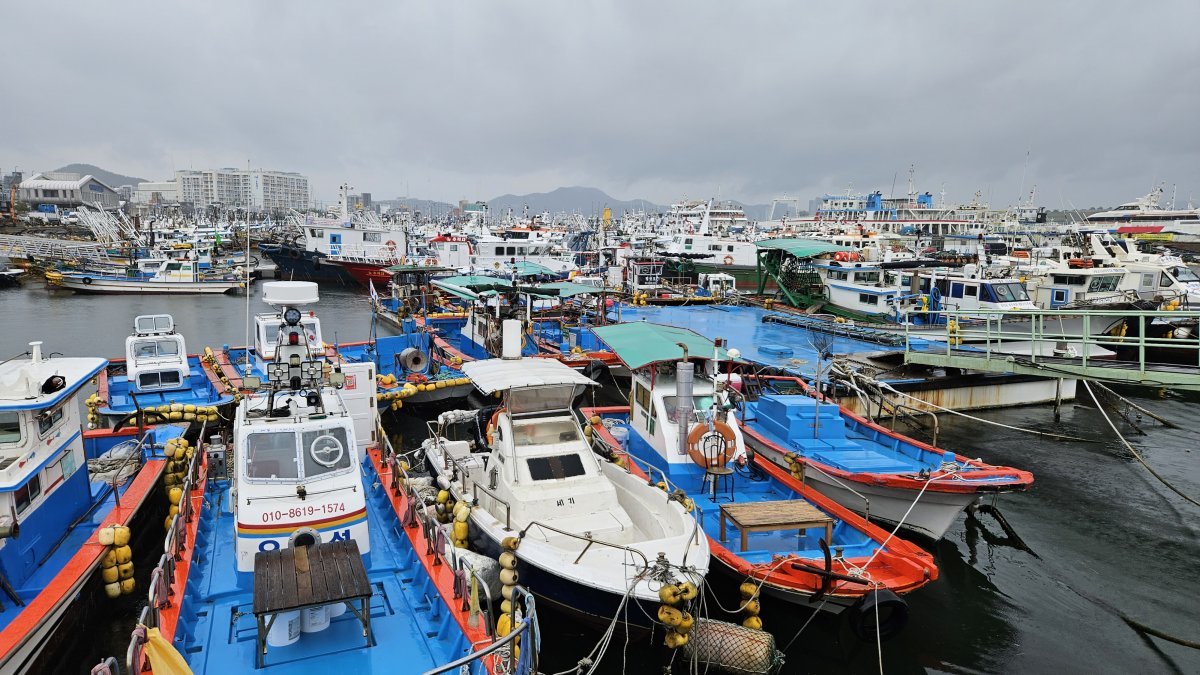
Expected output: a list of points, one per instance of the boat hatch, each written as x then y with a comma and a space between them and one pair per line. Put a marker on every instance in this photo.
151, 324
540, 399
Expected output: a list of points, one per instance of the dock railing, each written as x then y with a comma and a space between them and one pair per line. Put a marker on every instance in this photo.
1092, 344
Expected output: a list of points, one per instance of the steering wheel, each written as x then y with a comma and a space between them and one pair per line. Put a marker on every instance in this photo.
326, 450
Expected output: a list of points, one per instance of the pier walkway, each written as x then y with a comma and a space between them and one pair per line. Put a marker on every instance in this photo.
1152, 348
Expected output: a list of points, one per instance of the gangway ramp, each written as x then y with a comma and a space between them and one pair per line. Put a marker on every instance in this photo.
1152, 348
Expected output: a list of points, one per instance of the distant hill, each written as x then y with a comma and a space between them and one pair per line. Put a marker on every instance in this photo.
113, 180
586, 200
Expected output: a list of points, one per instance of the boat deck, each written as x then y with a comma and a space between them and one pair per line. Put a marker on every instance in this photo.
761, 545
200, 390
411, 628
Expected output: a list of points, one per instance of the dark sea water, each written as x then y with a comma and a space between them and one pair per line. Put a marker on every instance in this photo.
1108, 538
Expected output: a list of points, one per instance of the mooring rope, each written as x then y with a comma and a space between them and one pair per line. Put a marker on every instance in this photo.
1137, 454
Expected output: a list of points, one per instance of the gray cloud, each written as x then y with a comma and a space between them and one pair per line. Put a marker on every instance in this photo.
656, 100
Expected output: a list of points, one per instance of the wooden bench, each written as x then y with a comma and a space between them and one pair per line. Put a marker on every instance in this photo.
790, 514
293, 579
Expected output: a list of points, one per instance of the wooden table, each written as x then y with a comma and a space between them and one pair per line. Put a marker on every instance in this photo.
293, 579
790, 514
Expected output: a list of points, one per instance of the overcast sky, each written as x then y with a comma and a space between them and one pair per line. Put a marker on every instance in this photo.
1094, 101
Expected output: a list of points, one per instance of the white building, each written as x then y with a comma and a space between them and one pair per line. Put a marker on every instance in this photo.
254, 189
157, 192
66, 190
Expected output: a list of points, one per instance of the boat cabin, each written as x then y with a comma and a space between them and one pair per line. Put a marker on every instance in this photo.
155, 355
541, 467
44, 485
1083, 286
298, 453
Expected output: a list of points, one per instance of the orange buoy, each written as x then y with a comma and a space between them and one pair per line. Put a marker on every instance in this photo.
698, 433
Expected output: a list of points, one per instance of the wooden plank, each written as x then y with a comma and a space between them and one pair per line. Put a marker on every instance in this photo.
782, 512
320, 585
287, 580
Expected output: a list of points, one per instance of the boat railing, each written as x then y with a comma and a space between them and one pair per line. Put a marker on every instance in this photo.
466, 477
523, 661
587, 540
435, 542
162, 577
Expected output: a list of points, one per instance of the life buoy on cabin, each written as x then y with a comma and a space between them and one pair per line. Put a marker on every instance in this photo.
491, 427
698, 433
846, 256
87, 281
391, 245
728, 260
430, 262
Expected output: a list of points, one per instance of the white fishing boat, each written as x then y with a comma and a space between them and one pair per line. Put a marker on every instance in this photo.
171, 277
589, 537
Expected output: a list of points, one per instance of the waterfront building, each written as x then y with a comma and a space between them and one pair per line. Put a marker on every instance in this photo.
255, 189
68, 190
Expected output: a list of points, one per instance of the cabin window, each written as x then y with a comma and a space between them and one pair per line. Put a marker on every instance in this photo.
838, 275
867, 277
314, 232
49, 419
499, 250
1184, 274
688, 241
150, 349
321, 447
671, 406
642, 395
1148, 280
371, 237
1011, 292
174, 267
1058, 296
272, 455
28, 492
971, 291
10, 427
159, 380
1104, 283
544, 432
512, 250
956, 290
714, 247
729, 248
557, 467
453, 248
868, 298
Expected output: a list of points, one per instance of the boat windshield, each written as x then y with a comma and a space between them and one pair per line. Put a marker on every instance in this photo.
283, 455
1010, 292
1183, 274
1108, 282
544, 432
671, 405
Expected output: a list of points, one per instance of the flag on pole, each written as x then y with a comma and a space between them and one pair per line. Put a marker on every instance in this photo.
374, 294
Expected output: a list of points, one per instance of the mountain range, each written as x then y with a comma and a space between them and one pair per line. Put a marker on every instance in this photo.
113, 180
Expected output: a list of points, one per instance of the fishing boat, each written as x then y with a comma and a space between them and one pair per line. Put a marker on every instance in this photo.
588, 537
287, 554
866, 467
61, 487
765, 525
158, 374
172, 277
10, 276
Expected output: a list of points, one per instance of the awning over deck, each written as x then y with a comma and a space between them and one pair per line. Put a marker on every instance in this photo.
641, 344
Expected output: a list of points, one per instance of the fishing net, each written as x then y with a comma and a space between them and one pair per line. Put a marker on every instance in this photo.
732, 648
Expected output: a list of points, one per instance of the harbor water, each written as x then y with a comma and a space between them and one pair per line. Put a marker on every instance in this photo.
1104, 542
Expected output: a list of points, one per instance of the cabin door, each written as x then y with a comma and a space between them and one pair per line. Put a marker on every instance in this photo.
335, 243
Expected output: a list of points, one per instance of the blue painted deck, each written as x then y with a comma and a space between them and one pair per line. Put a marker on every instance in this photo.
762, 546
199, 391
412, 629
844, 443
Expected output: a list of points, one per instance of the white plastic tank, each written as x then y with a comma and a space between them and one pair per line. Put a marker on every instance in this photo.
314, 619
290, 293
512, 339
620, 435
285, 631
336, 609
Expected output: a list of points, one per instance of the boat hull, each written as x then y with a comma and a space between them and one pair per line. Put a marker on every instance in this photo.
294, 263
367, 273
85, 284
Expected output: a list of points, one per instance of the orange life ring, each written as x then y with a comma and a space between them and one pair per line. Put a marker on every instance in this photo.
491, 427
698, 433
728, 260
430, 262
391, 245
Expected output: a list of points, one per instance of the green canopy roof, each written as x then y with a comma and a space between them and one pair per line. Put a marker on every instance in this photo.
802, 248
470, 286
640, 343
524, 268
